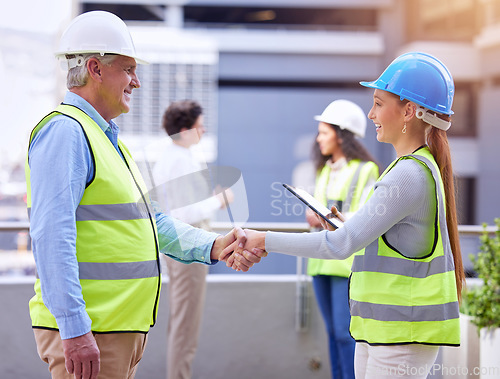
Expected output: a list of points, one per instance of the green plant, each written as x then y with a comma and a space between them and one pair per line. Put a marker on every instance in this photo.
483, 302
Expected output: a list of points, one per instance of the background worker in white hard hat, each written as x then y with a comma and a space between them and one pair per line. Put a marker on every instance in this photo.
405, 286
96, 237
346, 172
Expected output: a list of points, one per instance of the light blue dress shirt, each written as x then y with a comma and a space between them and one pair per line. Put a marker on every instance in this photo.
61, 165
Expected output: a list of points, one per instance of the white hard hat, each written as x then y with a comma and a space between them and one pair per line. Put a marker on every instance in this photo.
96, 32
346, 115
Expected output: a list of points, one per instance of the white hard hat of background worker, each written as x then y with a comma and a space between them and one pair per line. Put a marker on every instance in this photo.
95, 32
346, 115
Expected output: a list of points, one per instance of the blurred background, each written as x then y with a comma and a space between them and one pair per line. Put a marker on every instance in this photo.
261, 69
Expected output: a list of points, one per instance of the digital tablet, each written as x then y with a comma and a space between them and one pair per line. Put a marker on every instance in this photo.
315, 205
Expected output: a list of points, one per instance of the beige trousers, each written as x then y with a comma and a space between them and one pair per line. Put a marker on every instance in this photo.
119, 352
186, 290
394, 361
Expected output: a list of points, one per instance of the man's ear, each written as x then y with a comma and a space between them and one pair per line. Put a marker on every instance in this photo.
94, 69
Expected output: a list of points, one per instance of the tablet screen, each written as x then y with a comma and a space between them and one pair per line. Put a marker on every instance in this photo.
315, 205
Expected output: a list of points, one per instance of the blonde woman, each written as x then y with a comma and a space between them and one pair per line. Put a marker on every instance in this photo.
405, 286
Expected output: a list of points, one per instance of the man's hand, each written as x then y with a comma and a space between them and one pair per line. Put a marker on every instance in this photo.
236, 256
236, 248
236, 238
82, 356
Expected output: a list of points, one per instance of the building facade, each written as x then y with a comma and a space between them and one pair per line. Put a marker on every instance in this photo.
280, 62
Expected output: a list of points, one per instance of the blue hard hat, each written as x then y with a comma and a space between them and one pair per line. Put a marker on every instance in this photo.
420, 78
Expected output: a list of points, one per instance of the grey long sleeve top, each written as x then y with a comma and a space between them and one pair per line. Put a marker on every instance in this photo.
403, 207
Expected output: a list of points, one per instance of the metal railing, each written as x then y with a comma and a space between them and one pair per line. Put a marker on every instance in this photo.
19, 254
304, 227
14, 226
21, 261
221, 227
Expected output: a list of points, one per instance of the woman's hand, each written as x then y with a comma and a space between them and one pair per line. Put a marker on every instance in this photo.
312, 219
335, 213
241, 256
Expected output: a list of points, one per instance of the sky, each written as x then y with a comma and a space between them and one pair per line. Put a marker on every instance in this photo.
40, 16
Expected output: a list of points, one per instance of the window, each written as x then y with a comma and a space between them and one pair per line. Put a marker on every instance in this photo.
130, 12
465, 199
288, 18
490, 12
464, 106
443, 20
163, 83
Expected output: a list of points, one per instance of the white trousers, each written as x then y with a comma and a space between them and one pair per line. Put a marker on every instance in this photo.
394, 361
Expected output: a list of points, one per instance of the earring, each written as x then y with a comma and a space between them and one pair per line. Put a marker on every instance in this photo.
404, 128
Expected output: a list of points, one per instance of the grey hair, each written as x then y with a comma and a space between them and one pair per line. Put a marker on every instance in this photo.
78, 76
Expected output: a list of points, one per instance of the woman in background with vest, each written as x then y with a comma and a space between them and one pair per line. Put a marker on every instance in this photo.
405, 285
345, 174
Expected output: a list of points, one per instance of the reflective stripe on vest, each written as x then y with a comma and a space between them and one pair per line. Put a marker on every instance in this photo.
390, 312
352, 187
396, 266
394, 299
116, 244
352, 181
109, 212
116, 271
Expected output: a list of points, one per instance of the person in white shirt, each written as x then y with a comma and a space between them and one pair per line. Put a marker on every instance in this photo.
195, 204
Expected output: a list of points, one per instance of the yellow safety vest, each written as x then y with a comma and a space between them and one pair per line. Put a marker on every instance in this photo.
346, 193
397, 300
116, 243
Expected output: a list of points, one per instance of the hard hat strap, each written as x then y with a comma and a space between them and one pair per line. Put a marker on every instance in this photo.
432, 119
75, 61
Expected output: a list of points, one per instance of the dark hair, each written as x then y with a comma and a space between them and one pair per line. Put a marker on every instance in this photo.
351, 147
180, 114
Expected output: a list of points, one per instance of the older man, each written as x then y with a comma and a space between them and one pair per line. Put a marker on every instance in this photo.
96, 238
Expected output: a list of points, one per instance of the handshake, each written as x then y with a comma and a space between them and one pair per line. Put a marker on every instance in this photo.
240, 249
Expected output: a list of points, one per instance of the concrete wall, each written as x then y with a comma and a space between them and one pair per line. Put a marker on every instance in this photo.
259, 131
248, 332
488, 178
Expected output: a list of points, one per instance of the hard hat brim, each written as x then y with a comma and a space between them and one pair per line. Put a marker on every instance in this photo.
368, 84
321, 119
62, 55
377, 85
